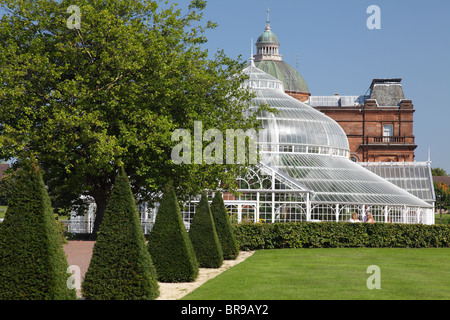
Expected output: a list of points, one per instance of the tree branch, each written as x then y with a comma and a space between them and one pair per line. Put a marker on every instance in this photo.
84, 45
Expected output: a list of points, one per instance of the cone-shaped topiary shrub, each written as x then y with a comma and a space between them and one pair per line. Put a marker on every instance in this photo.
169, 244
121, 267
33, 265
204, 236
222, 222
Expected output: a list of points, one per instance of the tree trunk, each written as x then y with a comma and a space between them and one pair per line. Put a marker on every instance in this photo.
101, 201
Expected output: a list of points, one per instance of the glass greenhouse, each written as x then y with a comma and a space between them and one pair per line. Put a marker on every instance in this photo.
305, 173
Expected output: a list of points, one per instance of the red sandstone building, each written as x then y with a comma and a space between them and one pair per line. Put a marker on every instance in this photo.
379, 126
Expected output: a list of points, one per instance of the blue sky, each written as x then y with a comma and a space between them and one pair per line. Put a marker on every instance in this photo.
339, 54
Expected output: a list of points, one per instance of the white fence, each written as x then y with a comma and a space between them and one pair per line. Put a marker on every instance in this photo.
87, 225
293, 212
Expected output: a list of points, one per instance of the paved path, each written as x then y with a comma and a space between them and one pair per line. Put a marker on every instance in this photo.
79, 253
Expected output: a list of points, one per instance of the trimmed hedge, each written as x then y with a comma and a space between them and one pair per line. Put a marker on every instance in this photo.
169, 244
204, 236
340, 235
223, 227
33, 265
121, 267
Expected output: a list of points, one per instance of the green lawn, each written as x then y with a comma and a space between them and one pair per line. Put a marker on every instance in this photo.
297, 274
2, 211
445, 218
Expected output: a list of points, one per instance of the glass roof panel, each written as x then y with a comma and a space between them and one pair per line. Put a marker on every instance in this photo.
339, 180
414, 177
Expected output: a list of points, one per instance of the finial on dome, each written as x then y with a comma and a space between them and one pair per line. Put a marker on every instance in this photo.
268, 20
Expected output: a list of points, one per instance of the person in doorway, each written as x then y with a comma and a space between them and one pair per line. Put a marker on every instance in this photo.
366, 216
370, 218
354, 217
367, 213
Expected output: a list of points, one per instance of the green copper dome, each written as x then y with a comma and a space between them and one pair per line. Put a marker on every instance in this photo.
292, 80
268, 37
269, 60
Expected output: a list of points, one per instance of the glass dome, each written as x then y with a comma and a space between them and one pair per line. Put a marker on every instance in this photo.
296, 127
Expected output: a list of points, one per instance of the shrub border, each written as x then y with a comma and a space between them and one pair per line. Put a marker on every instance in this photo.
252, 236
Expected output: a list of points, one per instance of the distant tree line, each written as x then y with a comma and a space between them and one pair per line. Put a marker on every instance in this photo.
441, 189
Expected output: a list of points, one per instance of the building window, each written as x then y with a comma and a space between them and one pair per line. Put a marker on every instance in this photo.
354, 157
388, 132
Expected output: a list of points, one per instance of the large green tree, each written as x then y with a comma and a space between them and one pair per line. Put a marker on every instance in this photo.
438, 172
111, 92
442, 191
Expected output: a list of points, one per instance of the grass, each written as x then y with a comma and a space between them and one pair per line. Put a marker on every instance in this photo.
2, 211
445, 218
337, 274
